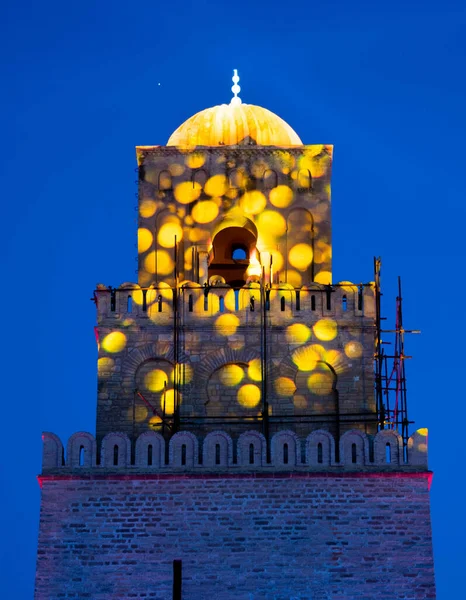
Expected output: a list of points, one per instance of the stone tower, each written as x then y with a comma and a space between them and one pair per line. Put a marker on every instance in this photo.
237, 426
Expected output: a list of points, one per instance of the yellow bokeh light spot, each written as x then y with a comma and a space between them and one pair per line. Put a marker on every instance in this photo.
249, 395
294, 278
231, 375
167, 234
324, 277
216, 185
298, 333
104, 366
300, 256
353, 349
196, 235
335, 359
137, 297
160, 263
299, 401
205, 211
176, 169
284, 386
155, 380
114, 342
315, 160
320, 384
347, 286
163, 289
147, 208
271, 224
195, 160
306, 357
155, 422
169, 398
281, 196
230, 300
187, 191
253, 202
184, 373
144, 239
423, 431
325, 330
254, 369
227, 324
140, 413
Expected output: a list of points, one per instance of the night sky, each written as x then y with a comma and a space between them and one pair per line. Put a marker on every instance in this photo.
83, 83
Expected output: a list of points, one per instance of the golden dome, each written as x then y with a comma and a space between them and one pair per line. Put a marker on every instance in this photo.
232, 124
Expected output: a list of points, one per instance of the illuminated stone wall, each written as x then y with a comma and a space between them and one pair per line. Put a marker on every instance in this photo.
315, 351
310, 530
280, 196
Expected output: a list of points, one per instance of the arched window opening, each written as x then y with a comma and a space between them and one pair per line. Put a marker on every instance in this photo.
328, 294
190, 303
183, 454
129, 305
252, 302
199, 176
285, 454
388, 453
115, 455
360, 298
112, 300
267, 300
236, 299
354, 454
313, 302
164, 181
144, 300
81, 456
239, 253
217, 454
237, 179
320, 453
159, 303
282, 303
304, 179
232, 248
149, 455
221, 302
298, 300
270, 179
344, 304
251, 454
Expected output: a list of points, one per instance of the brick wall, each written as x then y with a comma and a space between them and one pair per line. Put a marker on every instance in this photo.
258, 536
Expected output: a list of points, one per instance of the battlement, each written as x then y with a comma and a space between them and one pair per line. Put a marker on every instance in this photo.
282, 302
220, 453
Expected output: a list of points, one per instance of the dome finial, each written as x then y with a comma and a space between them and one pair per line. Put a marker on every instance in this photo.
235, 89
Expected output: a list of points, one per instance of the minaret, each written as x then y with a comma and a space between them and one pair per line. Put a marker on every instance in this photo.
240, 426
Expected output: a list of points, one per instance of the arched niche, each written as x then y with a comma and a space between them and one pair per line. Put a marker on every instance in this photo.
234, 251
300, 244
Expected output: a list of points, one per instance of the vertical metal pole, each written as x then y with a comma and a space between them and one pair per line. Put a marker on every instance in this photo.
177, 575
176, 415
378, 349
265, 404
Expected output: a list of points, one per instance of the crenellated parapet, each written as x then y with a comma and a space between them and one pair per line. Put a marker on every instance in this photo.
198, 304
218, 452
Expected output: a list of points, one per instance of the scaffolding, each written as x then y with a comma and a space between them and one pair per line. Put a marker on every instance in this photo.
390, 370
391, 408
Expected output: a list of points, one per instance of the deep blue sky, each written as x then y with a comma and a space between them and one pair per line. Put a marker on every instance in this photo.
383, 81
